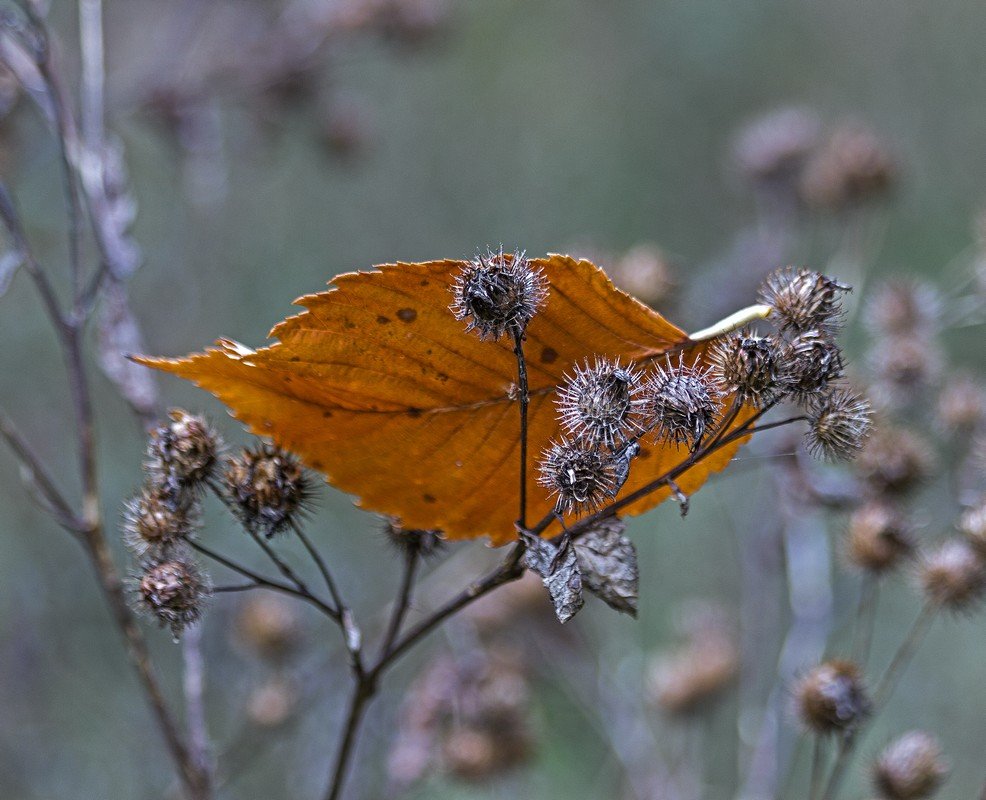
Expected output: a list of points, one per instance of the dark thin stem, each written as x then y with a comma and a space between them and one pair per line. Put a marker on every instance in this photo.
865, 619
525, 399
236, 587
509, 570
817, 762
54, 502
904, 654
363, 690
322, 566
401, 604
65, 134
261, 581
885, 687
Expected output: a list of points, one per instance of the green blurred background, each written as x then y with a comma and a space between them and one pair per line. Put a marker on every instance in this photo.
542, 125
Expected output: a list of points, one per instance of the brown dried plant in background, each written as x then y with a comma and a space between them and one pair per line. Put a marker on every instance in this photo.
519, 431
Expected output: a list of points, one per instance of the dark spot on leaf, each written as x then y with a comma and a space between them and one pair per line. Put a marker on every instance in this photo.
428, 498
414, 413
326, 414
295, 358
442, 377
407, 315
383, 320
644, 453
424, 282
350, 324
549, 355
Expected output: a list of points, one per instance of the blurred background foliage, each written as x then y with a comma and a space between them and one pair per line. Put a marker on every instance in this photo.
551, 126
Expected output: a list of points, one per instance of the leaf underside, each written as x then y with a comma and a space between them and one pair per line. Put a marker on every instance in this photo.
378, 386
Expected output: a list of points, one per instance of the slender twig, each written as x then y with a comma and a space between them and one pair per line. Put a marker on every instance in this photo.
509, 570
323, 568
236, 587
865, 619
524, 399
363, 690
261, 581
54, 501
817, 762
884, 688
66, 136
193, 686
402, 603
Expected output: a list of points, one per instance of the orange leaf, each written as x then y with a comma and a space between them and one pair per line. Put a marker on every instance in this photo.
379, 387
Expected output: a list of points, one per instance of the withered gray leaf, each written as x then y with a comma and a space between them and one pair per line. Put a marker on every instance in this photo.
119, 334
564, 582
608, 563
10, 262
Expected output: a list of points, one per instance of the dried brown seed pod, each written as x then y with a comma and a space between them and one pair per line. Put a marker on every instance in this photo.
495, 293
878, 538
831, 698
267, 487
748, 366
903, 307
894, 460
681, 402
953, 575
851, 167
600, 402
961, 404
183, 453
972, 524
580, 477
803, 300
776, 145
424, 543
173, 591
838, 425
268, 625
156, 519
910, 768
810, 362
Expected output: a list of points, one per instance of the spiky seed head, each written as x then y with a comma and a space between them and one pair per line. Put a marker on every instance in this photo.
910, 768
972, 524
183, 452
894, 460
803, 300
681, 402
961, 404
774, 147
267, 487
497, 292
415, 541
831, 698
853, 166
838, 425
952, 575
173, 591
747, 366
579, 476
903, 366
810, 362
600, 402
878, 538
268, 625
903, 308
156, 519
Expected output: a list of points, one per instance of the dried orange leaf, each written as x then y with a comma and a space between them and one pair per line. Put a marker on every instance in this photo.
376, 385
